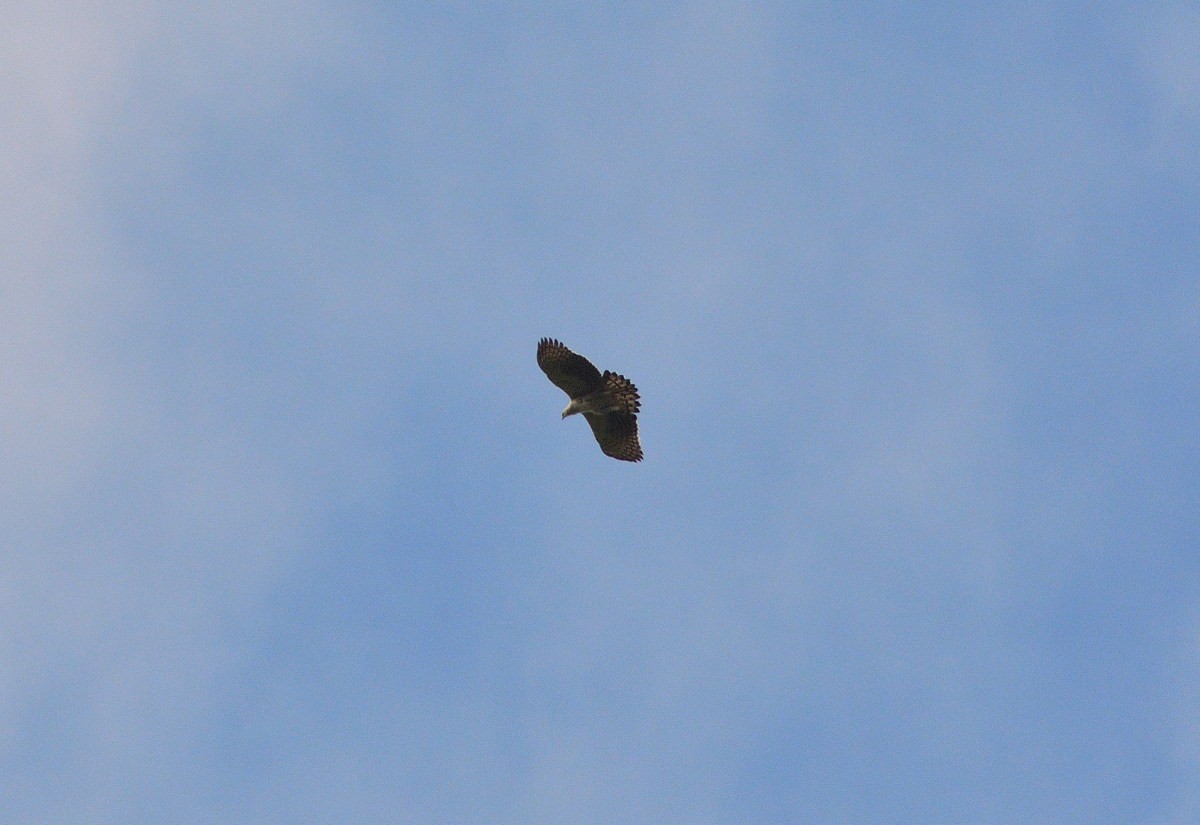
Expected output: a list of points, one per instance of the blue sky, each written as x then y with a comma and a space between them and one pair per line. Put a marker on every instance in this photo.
292, 530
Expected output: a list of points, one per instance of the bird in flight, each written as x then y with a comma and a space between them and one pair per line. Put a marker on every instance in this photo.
608, 401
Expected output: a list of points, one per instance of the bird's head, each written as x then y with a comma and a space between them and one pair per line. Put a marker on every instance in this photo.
571, 409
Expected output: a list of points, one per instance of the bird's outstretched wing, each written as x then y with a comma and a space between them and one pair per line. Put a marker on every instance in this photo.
571, 373
616, 431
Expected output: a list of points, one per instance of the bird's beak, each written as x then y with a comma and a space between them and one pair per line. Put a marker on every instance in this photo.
564, 415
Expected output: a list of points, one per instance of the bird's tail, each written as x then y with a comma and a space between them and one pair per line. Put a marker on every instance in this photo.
622, 391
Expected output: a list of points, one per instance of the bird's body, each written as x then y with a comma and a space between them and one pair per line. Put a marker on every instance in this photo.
608, 401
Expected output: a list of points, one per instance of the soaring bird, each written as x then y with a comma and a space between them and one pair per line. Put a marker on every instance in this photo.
608, 401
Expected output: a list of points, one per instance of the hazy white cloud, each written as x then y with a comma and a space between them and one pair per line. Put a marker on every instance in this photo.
138, 533
1167, 45
62, 70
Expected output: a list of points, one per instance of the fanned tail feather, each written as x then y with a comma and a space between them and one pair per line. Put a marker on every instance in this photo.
623, 392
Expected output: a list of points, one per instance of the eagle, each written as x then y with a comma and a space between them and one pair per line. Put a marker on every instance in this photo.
608, 401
